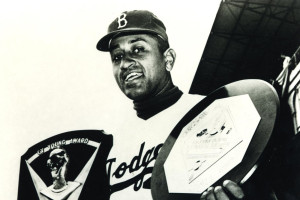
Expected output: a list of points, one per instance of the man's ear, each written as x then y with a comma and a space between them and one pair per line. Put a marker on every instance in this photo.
170, 57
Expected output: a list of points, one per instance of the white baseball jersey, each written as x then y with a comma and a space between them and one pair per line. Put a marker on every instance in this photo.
136, 143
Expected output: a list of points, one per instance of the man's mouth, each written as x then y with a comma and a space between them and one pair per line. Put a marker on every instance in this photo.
133, 75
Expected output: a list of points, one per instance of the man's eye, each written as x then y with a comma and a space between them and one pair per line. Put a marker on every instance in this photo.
138, 50
117, 58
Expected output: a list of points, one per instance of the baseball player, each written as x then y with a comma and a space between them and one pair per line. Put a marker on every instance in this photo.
141, 61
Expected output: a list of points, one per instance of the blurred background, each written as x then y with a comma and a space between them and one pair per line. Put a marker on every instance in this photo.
247, 40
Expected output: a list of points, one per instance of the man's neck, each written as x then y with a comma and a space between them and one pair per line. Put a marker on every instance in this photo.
151, 106
167, 87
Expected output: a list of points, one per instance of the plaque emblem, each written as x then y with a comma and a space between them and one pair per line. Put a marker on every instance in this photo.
67, 166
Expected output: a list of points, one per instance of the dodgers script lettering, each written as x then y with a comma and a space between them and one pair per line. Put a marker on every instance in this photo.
140, 161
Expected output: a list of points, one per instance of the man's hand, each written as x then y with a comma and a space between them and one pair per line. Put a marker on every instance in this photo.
221, 193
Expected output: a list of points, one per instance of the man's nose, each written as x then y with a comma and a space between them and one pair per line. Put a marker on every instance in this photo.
127, 62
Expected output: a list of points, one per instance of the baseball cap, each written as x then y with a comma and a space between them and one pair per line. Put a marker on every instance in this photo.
130, 22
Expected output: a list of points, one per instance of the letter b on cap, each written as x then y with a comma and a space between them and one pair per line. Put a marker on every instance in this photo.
122, 20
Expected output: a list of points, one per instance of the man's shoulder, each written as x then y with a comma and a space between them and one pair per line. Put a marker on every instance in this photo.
181, 107
188, 101
191, 98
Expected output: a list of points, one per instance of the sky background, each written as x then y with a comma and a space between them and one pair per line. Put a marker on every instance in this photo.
53, 80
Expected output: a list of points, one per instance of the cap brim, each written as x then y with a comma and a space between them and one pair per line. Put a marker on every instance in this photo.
103, 44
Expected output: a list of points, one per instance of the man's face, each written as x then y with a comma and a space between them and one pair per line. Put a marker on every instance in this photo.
138, 66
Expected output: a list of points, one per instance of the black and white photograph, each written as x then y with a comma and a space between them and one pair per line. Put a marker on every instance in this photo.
101, 100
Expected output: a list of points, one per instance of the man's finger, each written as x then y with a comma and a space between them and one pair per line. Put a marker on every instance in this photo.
203, 196
220, 194
210, 194
234, 189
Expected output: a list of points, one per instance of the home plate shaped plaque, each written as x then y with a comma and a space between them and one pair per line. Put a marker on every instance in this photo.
211, 145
